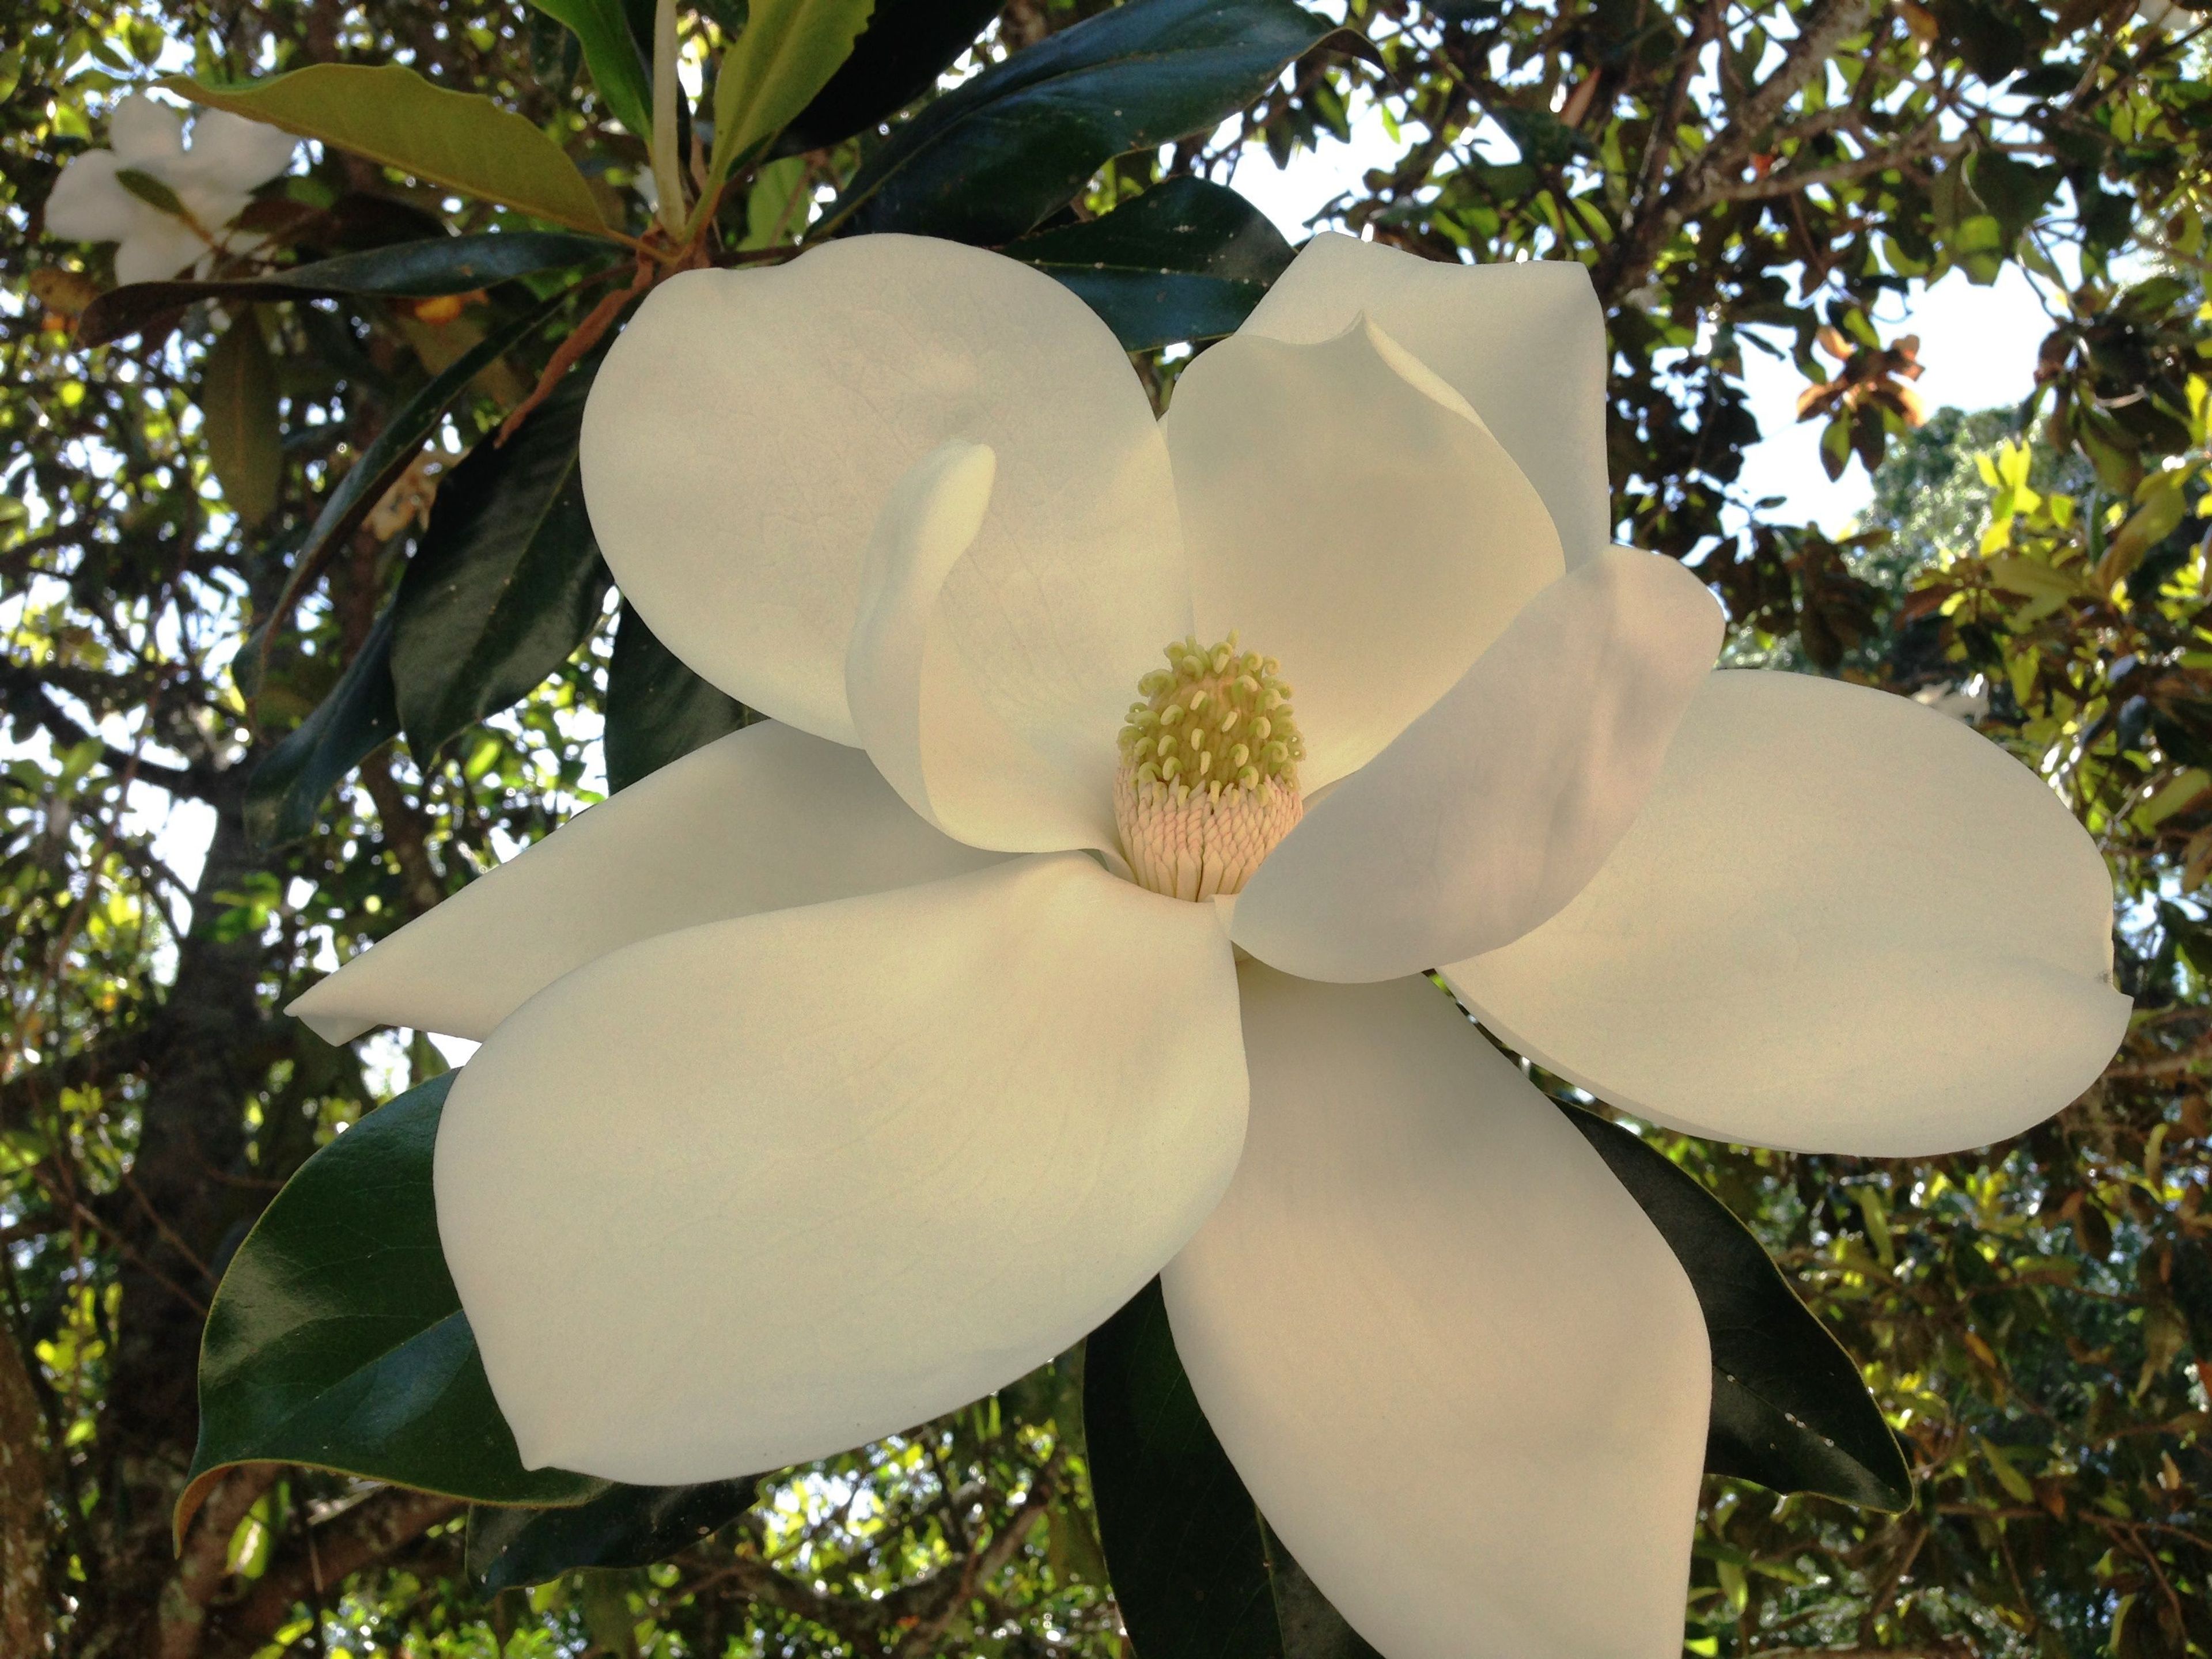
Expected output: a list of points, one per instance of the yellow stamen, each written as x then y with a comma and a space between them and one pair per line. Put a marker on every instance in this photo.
1208, 782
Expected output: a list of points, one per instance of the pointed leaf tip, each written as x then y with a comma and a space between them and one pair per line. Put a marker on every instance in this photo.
1790, 1408
336, 1340
1197, 1572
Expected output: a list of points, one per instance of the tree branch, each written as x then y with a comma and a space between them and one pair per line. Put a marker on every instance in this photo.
1827, 24
320, 1558
1921, 147
934, 1602
204, 1562
852, 1622
25, 1616
406, 832
1668, 118
22, 688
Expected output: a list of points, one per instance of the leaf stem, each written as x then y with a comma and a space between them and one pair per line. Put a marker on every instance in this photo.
667, 174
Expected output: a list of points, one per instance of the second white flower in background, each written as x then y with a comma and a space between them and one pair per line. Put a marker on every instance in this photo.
212, 178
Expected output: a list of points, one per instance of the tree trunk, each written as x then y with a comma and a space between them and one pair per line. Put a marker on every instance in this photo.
181, 1210
24, 1613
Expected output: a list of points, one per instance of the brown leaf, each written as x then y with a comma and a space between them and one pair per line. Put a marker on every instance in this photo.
238, 402
66, 293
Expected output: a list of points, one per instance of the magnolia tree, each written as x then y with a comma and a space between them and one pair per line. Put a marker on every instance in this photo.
1217, 854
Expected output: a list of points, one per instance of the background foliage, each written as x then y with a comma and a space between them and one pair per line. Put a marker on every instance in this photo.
195, 637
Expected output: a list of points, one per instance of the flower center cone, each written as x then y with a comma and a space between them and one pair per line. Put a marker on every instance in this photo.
1208, 782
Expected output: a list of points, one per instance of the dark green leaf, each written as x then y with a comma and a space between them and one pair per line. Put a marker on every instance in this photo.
337, 1338
657, 710
238, 403
2191, 1283
506, 581
288, 787
556, 56
419, 270
1182, 1536
393, 449
2013, 191
1790, 1408
906, 44
1185, 261
1195, 1571
628, 1527
1989, 35
1543, 139
990, 159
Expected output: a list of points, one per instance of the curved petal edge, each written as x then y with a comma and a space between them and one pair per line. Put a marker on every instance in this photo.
746, 428
1491, 810
749, 1193
764, 818
1423, 1276
915, 705
1522, 341
1842, 923
1347, 513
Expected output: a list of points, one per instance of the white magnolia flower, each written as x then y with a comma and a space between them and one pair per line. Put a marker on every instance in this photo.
212, 178
840, 1072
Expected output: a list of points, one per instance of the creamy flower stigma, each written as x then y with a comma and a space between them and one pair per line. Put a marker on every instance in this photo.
1208, 782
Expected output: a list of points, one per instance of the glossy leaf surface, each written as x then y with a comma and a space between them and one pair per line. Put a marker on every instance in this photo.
989, 160
288, 788
1196, 1572
390, 452
418, 270
626, 1527
657, 710
1789, 1409
506, 582
1186, 260
906, 44
337, 1338
390, 115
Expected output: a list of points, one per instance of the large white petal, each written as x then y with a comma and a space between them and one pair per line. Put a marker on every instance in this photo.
1347, 513
1494, 807
745, 430
1843, 923
1424, 1282
752, 1193
1524, 343
914, 702
87, 205
761, 819
146, 134
158, 248
232, 154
